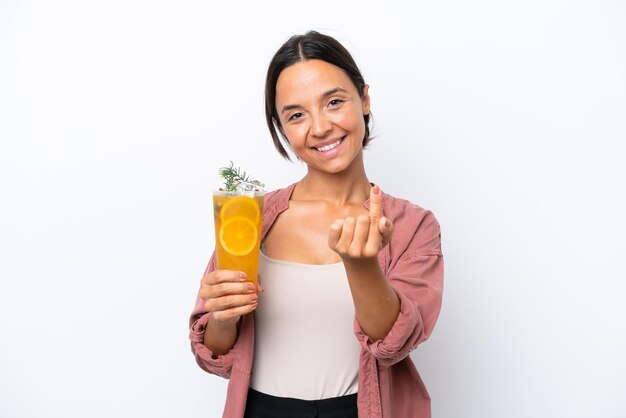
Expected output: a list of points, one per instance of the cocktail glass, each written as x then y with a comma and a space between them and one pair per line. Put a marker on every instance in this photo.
238, 220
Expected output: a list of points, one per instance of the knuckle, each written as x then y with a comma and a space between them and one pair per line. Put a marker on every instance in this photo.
206, 279
219, 288
209, 305
228, 301
213, 278
343, 249
371, 251
218, 277
355, 253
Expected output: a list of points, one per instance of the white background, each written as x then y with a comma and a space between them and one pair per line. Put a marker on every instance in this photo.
507, 119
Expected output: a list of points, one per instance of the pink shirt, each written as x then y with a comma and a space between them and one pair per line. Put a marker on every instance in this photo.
389, 384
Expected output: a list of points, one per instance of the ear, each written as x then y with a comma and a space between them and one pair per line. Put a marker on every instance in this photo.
366, 100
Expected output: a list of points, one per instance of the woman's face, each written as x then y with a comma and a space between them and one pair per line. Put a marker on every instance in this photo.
321, 114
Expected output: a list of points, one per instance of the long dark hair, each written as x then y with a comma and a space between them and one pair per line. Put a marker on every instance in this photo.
311, 45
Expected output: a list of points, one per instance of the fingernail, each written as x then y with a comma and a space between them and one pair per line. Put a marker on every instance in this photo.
251, 287
242, 276
376, 190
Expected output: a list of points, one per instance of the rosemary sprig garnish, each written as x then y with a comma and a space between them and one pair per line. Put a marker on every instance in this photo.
233, 176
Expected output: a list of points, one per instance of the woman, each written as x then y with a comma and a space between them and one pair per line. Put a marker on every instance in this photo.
340, 259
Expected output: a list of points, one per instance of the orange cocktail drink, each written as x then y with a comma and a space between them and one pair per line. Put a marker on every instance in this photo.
238, 221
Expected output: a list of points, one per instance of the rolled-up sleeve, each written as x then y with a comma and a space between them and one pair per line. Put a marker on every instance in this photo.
417, 278
220, 365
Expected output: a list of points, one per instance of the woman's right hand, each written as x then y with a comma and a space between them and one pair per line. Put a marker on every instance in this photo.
227, 295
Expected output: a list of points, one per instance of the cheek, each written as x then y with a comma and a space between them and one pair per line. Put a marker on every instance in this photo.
356, 122
352, 119
295, 134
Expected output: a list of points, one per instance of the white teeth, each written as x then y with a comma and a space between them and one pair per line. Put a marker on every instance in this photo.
329, 146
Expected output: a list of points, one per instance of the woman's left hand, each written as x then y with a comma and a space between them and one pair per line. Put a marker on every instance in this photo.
363, 236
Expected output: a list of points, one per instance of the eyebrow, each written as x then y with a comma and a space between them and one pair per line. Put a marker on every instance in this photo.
323, 96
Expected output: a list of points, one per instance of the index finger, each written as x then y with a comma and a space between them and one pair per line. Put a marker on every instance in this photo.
376, 209
221, 276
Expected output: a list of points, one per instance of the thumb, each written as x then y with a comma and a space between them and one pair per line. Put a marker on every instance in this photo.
385, 226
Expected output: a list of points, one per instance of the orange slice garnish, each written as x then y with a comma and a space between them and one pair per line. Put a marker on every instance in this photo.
243, 206
238, 236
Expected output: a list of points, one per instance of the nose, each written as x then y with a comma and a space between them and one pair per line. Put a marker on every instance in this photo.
320, 125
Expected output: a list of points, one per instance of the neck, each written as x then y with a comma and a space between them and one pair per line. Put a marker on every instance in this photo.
348, 186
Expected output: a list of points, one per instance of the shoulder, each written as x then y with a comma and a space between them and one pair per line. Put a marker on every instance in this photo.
405, 212
416, 229
278, 200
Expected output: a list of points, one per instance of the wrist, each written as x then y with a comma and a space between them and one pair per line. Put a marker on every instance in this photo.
222, 325
361, 262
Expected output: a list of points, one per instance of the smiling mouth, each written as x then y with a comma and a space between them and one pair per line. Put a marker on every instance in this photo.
329, 146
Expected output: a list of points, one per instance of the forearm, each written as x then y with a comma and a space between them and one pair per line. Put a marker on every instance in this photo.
376, 304
219, 337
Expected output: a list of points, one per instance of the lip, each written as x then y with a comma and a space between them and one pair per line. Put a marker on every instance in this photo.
328, 142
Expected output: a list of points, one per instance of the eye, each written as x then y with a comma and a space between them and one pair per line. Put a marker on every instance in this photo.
335, 102
295, 116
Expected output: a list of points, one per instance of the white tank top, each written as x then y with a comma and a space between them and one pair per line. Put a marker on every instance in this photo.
304, 346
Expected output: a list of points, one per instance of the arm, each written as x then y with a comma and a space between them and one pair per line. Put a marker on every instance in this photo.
396, 309
358, 242
206, 337
376, 305
415, 272
223, 298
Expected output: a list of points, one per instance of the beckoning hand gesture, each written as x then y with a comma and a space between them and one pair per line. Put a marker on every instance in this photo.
363, 236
